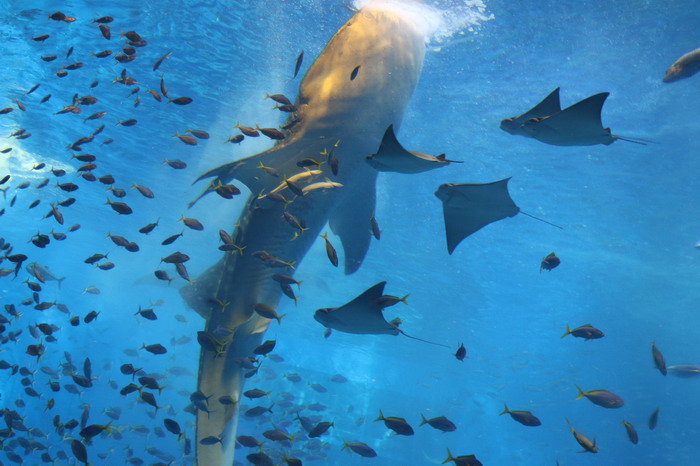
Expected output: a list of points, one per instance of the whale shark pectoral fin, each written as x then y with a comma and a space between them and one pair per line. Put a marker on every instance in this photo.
198, 294
351, 222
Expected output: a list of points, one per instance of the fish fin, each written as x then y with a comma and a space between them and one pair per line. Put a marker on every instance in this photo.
469, 207
198, 294
581, 393
60, 281
583, 116
549, 106
568, 329
505, 410
349, 222
423, 420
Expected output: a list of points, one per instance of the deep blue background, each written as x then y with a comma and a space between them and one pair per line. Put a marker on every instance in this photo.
629, 213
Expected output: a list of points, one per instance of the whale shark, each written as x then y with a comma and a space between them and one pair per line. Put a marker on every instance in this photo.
342, 117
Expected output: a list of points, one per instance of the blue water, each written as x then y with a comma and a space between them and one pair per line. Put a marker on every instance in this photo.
629, 214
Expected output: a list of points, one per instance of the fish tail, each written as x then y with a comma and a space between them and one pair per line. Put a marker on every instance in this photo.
60, 280
345, 444
505, 410
449, 457
403, 300
381, 416
581, 393
423, 420
568, 331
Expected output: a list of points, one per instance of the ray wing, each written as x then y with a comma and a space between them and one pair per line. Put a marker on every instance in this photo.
469, 207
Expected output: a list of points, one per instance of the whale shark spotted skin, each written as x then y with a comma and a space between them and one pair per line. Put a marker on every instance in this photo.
335, 111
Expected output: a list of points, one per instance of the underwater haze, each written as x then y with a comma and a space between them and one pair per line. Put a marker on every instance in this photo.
620, 217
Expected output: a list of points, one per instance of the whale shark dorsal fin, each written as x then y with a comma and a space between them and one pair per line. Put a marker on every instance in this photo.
469, 207
351, 222
582, 118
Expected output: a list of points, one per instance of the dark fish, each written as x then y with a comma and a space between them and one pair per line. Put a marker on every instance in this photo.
41, 38
103, 54
211, 440
601, 398
375, 228
397, 424
582, 440
148, 228
181, 100
155, 95
119, 207
439, 423
123, 58
170, 239
45, 98
73, 66
182, 271
163, 275
173, 427
526, 418
106, 31
631, 432
133, 36
160, 60
49, 58
237, 139
257, 411
189, 140
259, 459
58, 16
155, 348
360, 448
198, 133
247, 130
129, 122
653, 419
268, 312
248, 441
298, 63
354, 72
461, 352
176, 164
330, 251
550, 262
279, 98
95, 258
192, 223
587, 332
659, 361
286, 108
462, 460
149, 398
107, 179
103, 20
271, 133
92, 315
320, 429
255, 393
265, 348
79, 451
145, 192
176, 258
